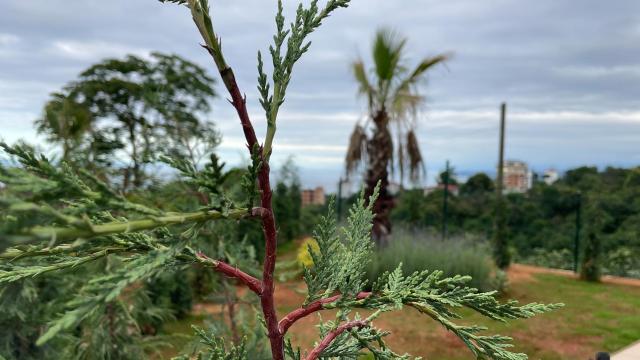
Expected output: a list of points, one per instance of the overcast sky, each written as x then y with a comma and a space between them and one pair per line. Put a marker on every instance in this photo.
569, 71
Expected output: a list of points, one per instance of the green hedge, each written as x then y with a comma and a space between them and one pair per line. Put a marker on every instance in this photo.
420, 250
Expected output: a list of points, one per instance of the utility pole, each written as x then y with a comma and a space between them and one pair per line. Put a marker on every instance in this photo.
499, 185
444, 202
576, 239
500, 247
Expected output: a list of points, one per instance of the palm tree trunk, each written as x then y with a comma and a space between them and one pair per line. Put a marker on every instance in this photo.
380, 151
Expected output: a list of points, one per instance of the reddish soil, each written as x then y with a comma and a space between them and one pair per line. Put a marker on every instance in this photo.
428, 339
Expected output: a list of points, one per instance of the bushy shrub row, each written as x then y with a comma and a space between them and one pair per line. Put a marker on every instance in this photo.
420, 250
623, 261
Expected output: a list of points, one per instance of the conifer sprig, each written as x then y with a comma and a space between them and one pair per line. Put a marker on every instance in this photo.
306, 21
427, 291
67, 200
216, 348
436, 297
20, 272
104, 289
64, 220
85, 229
89, 222
342, 256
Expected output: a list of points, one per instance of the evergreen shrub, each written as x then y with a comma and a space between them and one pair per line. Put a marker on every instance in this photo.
420, 250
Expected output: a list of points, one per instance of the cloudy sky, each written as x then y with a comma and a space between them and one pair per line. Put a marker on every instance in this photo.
569, 71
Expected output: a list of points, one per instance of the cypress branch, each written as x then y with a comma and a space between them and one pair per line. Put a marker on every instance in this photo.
119, 227
18, 273
78, 206
102, 290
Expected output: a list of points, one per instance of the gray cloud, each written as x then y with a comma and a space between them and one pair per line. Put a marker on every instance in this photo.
569, 71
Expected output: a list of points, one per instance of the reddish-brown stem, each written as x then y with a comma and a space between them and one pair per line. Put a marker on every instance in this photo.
268, 287
275, 331
315, 306
332, 335
233, 272
239, 103
268, 221
265, 288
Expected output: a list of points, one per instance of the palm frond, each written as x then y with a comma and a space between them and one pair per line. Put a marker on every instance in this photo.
415, 160
405, 98
364, 85
388, 49
424, 65
405, 106
357, 150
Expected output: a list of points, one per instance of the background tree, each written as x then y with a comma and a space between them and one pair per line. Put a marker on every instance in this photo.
478, 184
542, 222
591, 264
448, 176
415, 210
391, 89
287, 202
501, 251
66, 122
591, 258
138, 109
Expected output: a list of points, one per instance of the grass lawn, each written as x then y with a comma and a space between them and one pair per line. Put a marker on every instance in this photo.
180, 332
597, 317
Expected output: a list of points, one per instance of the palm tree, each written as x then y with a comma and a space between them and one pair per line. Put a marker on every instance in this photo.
393, 100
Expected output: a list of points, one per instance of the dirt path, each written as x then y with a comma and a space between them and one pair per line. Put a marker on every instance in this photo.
524, 272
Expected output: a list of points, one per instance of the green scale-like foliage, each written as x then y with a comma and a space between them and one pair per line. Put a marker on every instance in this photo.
59, 221
339, 267
216, 349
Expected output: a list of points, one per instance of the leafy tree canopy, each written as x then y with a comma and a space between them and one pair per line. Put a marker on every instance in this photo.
133, 108
477, 184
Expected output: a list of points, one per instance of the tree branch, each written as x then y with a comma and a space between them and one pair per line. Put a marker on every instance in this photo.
332, 335
231, 271
239, 102
268, 221
268, 287
88, 230
305, 311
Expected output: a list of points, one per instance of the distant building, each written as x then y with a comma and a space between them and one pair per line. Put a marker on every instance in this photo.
452, 188
313, 196
516, 177
550, 176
